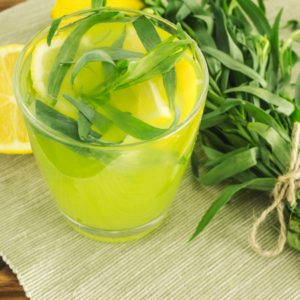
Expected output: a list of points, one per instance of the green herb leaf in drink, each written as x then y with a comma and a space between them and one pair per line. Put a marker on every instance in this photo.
61, 123
124, 120
159, 60
95, 55
54, 26
162, 67
132, 125
120, 54
97, 119
103, 37
147, 33
98, 3
85, 131
68, 51
56, 120
150, 39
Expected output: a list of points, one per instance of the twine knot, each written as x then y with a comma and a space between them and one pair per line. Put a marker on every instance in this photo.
285, 189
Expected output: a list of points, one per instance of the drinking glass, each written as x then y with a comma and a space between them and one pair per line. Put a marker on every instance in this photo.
121, 192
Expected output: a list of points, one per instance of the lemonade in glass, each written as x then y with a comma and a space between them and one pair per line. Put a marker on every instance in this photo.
112, 100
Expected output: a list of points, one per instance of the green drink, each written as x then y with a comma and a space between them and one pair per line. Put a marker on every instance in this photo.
112, 103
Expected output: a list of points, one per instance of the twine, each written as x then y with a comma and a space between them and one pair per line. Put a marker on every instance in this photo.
286, 188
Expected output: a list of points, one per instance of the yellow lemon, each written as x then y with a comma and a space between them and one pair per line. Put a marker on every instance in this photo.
64, 7
13, 134
187, 85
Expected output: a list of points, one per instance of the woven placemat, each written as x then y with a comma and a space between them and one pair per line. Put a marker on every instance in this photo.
52, 261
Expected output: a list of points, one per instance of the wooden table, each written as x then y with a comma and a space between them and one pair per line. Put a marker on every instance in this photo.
10, 288
8, 3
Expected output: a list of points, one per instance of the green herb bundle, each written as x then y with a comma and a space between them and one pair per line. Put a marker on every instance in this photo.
252, 104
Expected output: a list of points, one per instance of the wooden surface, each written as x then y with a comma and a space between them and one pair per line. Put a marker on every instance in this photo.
9, 3
10, 288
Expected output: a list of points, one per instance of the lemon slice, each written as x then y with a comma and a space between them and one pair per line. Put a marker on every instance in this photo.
13, 134
88, 78
63, 7
43, 58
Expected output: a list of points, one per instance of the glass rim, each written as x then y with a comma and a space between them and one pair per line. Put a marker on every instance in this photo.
201, 96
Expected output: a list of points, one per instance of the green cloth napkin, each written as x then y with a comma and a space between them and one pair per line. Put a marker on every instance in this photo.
53, 261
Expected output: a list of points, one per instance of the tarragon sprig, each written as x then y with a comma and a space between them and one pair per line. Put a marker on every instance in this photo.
252, 103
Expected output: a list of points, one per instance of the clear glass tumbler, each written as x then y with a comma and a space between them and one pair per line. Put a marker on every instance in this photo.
126, 192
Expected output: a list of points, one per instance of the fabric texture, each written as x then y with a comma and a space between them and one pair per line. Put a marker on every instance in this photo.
53, 261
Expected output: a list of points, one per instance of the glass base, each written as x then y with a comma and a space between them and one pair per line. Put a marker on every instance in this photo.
115, 236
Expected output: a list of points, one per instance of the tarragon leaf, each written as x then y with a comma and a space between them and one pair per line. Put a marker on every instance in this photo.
257, 16
223, 38
98, 3
172, 9
222, 157
208, 20
280, 148
30, 97
257, 113
95, 55
284, 106
103, 37
132, 125
118, 43
272, 74
59, 122
147, 33
150, 39
213, 121
229, 191
52, 30
84, 126
170, 83
161, 58
68, 51
194, 7
293, 239
262, 6
230, 167
85, 131
297, 93
99, 120
233, 64
293, 23
204, 39
56, 120
161, 68
182, 13
121, 54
